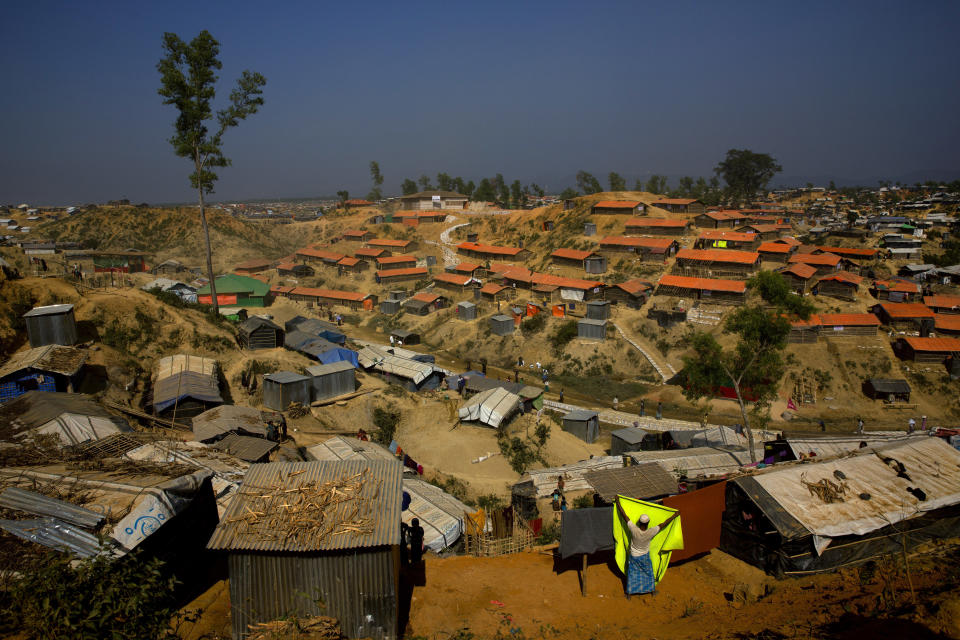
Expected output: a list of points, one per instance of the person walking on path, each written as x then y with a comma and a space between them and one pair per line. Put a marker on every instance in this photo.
659, 410
616, 403
643, 407
859, 424
640, 577
911, 425
561, 395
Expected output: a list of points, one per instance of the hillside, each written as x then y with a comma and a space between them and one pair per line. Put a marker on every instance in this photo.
170, 234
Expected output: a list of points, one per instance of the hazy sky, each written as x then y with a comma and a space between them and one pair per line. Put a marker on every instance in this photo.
536, 91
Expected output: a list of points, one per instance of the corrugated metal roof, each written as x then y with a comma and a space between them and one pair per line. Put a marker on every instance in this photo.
41, 505
54, 358
719, 255
697, 461
545, 480
226, 418
56, 534
285, 377
641, 481
49, 310
246, 448
187, 384
343, 448
627, 241
933, 344
831, 446
707, 284
386, 362
825, 259
618, 204
655, 222
300, 507
326, 369
931, 464
171, 365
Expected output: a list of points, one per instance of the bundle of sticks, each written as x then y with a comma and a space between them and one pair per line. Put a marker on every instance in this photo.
315, 628
308, 514
826, 489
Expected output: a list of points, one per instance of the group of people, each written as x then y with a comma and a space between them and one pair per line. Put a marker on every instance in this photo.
411, 542
558, 498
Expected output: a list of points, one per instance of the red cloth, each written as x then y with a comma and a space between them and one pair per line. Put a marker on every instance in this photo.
701, 513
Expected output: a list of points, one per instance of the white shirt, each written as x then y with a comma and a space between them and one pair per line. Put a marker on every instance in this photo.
640, 539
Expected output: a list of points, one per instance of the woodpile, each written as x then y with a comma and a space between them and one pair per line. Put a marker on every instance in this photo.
315, 628
306, 515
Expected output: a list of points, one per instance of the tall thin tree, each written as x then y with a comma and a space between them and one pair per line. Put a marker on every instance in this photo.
187, 81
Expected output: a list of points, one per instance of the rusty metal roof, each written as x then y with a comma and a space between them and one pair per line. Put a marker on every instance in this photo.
305, 507
642, 481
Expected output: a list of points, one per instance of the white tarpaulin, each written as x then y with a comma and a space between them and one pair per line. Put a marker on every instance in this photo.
440, 514
380, 360
571, 294
491, 407
545, 480
932, 465
73, 428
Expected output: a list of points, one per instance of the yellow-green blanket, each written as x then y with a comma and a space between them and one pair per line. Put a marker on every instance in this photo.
661, 546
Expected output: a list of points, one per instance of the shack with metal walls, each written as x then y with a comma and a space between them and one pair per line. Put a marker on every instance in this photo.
626, 439
501, 325
467, 311
321, 563
52, 324
283, 387
598, 310
592, 329
259, 333
583, 424
332, 380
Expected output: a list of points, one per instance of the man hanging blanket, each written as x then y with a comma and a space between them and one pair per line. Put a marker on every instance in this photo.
645, 533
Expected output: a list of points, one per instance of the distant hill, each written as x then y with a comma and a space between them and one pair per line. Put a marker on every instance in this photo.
169, 233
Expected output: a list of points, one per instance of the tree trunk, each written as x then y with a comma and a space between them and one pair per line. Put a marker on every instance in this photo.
206, 237
746, 422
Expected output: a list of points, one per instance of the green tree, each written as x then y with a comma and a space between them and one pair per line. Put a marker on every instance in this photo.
408, 187
485, 191
375, 194
656, 184
832, 186
459, 186
753, 366
503, 192
444, 182
469, 188
187, 81
851, 218
685, 186
425, 183
569, 194
517, 194
617, 182
344, 196
588, 183
774, 289
537, 189
746, 173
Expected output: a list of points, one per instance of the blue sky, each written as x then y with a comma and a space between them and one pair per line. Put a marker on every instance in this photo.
536, 91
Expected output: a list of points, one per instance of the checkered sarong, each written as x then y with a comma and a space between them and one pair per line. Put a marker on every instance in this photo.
640, 578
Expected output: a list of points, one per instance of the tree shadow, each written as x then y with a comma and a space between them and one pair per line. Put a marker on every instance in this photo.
854, 627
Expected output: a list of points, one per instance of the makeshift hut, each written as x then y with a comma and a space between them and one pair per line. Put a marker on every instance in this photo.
467, 311
598, 310
295, 270
491, 407
800, 519
214, 424
626, 439
440, 514
656, 226
259, 333
185, 386
339, 557
332, 380
723, 239
582, 423
390, 307
647, 481
717, 262
424, 303
411, 374
633, 293
52, 324
50, 368
799, 277
697, 463
591, 329
629, 207
841, 285
246, 448
501, 325
405, 336
74, 418
652, 249
905, 315
283, 387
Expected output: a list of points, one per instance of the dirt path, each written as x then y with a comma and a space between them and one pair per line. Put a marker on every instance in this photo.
449, 257
663, 367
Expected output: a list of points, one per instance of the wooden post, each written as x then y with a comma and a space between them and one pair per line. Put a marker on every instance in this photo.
583, 577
